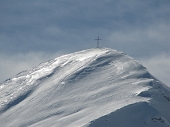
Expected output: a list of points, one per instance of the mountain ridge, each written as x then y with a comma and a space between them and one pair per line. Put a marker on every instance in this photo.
81, 89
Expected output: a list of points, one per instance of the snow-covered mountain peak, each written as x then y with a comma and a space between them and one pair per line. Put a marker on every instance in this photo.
94, 88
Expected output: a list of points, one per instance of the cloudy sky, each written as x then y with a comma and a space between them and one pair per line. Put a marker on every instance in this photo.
34, 31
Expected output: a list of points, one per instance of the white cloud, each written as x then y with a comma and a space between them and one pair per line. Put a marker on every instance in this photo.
159, 66
11, 65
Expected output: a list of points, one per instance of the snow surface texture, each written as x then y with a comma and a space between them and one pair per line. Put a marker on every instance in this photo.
90, 88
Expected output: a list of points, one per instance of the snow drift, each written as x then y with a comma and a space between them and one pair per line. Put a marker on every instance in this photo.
90, 88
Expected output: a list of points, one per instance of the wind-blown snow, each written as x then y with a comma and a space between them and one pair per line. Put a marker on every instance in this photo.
92, 88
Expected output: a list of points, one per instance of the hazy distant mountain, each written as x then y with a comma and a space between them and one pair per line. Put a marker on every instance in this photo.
90, 88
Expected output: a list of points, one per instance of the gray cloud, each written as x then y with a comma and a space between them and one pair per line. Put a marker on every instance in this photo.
144, 42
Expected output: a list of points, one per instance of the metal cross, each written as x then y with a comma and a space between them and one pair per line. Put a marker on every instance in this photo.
98, 39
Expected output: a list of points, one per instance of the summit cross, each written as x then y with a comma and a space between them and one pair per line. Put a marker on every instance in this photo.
98, 39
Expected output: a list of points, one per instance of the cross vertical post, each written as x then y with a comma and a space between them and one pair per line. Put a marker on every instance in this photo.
98, 39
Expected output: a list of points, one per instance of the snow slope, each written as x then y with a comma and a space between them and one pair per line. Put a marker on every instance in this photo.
90, 88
